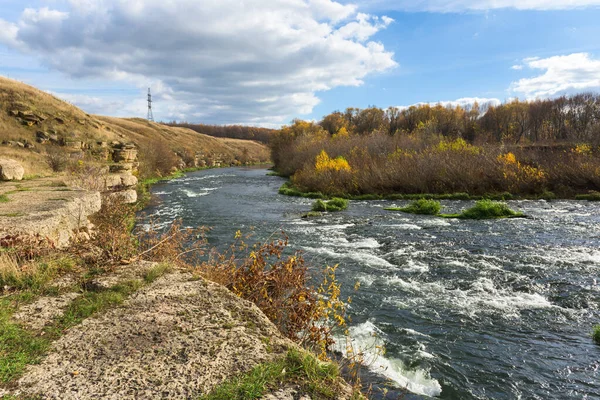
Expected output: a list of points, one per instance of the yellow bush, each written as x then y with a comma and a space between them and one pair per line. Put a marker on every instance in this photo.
583, 149
508, 158
520, 176
457, 145
325, 163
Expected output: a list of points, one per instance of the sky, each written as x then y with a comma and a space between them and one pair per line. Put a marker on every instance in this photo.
266, 62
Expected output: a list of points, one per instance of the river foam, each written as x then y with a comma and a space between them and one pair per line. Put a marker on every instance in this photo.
367, 339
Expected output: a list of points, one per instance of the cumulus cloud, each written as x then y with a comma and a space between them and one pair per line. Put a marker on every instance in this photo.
561, 75
517, 67
260, 61
448, 6
465, 102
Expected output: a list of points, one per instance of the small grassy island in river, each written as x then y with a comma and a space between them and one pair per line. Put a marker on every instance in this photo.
483, 209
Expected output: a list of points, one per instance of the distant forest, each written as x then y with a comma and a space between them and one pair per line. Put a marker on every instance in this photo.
229, 131
563, 119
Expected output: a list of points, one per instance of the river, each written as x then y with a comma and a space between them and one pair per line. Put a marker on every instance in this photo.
466, 309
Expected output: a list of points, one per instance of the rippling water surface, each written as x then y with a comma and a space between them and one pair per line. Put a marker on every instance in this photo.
466, 309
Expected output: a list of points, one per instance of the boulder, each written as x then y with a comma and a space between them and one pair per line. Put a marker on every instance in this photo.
11, 170
113, 181
117, 181
128, 180
42, 137
126, 196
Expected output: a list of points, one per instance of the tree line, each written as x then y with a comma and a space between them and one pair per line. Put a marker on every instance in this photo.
228, 131
564, 119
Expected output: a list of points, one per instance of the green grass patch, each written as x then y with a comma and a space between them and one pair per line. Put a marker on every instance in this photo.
19, 347
156, 272
19, 189
287, 189
4, 198
596, 334
591, 196
333, 205
13, 215
317, 379
36, 277
486, 209
31, 177
421, 206
91, 303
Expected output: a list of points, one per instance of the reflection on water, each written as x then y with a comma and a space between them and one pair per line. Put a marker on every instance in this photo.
466, 309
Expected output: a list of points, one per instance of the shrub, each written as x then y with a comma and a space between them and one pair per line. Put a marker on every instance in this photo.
422, 206
56, 159
114, 223
281, 287
87, 175
487, 209
156, 159
596, 334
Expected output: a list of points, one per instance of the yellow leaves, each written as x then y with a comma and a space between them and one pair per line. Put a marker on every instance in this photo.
520, 174
325, 163
341, 134
238, 235
508, 158
457, 145
583, 149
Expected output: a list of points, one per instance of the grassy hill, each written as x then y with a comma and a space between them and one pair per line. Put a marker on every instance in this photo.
33, 122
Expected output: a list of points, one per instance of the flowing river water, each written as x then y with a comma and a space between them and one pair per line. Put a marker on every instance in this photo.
466, 309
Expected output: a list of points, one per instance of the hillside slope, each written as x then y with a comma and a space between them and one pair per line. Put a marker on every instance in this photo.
32, 121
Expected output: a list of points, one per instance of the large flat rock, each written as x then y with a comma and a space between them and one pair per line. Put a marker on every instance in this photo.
45, 208
176, 338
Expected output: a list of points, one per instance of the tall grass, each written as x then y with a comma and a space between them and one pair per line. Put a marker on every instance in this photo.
382, 164
31, 274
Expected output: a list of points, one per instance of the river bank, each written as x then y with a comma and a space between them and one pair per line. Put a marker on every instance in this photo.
55, 304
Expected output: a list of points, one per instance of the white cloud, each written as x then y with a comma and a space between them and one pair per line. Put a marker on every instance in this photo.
517, 67
221, 60
364, 27
465, 102
8, 33
476, 5
561, 75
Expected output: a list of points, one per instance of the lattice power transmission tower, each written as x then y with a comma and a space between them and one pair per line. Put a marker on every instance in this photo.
150, 115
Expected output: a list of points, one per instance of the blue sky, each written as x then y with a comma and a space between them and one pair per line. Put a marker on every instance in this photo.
269, 61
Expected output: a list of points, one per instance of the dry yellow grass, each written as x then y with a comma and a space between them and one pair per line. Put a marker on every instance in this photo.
72, 124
